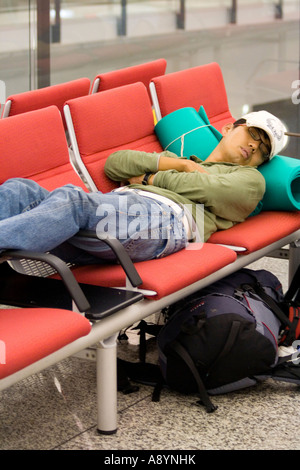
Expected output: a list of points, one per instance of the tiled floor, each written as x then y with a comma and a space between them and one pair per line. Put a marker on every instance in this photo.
55, 409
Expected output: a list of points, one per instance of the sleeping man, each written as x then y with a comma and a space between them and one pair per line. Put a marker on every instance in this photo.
163, 203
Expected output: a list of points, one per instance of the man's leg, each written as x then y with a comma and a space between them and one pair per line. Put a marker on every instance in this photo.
131, 218
147, 229
47, 222
18, 195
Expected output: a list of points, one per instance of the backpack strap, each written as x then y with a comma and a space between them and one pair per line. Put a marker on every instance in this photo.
151, 329
294, 286
123, 381
182, 352
290, 327
272, 304
288, 336
233, 334
287, 371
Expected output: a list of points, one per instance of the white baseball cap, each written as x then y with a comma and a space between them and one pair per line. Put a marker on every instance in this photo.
274, 128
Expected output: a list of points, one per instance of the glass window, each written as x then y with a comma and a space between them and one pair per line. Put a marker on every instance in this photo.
256, 43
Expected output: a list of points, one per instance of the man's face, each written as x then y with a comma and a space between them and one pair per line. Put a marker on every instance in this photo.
239, 146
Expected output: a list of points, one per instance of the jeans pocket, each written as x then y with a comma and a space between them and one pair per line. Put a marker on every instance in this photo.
173, 244
32, 205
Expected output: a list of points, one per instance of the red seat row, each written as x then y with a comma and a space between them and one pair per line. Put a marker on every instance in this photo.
98, 124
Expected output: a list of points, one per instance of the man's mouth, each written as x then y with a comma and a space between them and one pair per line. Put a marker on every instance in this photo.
245, 153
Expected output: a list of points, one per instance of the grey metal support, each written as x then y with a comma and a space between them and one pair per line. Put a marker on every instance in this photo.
43, 43
279, 10
122, 23
233, 12
106, 357
56, 27
294, 259
180, 16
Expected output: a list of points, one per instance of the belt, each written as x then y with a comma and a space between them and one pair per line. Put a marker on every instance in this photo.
178, 209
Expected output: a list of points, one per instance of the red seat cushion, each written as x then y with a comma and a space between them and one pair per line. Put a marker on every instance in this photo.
195, 87
27, 335
95, 119
165, 275
137, 73
26, 151
259, 231
48, 96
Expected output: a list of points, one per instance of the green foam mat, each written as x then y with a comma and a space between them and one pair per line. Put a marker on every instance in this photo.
282, 175
187, 132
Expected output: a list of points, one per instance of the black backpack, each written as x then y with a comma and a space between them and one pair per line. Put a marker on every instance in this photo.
225, 337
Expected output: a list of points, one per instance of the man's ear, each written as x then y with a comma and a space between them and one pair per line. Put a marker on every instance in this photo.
226, 128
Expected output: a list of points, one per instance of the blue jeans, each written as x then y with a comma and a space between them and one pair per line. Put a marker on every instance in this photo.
32, 218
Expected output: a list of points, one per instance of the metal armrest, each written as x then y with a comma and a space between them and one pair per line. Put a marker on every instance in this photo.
62, 269
120, 253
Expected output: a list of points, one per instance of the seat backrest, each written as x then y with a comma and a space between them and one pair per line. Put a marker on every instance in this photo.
44, 97
101, 123
137, 73
33, 145
202, 85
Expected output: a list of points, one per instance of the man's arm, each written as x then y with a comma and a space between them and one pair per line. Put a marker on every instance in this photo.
125, 164
179, 164
232, 195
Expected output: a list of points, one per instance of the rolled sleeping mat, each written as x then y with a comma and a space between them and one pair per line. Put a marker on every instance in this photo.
282, 176
187, 132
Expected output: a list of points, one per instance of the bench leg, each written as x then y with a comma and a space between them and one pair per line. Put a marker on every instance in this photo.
107, 385
294, 259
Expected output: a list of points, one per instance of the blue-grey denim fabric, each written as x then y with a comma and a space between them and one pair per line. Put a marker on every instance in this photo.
32, 218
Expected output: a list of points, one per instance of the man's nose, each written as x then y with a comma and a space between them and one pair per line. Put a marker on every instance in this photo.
254, 144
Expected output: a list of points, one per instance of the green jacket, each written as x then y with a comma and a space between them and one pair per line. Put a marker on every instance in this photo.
229, 192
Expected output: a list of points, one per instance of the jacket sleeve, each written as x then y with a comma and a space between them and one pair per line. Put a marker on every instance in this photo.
232, 195
124, 164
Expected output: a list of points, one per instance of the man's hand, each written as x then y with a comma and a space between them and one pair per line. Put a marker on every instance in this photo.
179, 164
190, 165
137, 179
165, 164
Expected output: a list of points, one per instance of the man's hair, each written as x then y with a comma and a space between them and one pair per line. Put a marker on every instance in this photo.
239, 122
